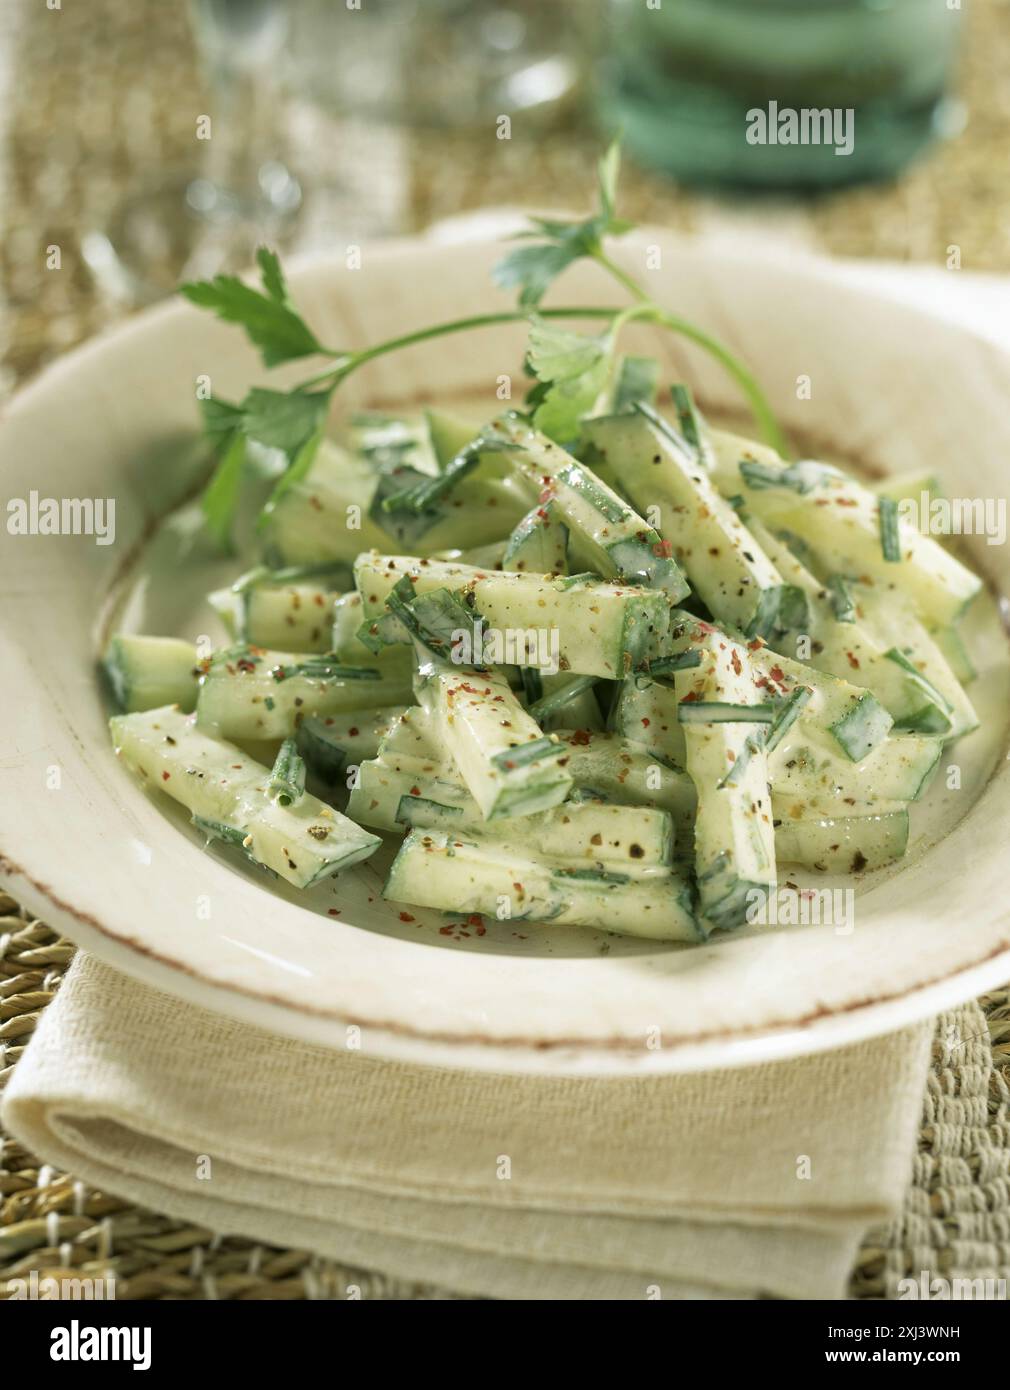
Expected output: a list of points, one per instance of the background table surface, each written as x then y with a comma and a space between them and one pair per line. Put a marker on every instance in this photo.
96, 97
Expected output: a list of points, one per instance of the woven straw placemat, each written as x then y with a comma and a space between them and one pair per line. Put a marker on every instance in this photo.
92, 98
955, 1221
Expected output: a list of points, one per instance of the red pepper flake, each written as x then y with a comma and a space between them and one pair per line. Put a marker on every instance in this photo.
580, 737
475, 920
735, 662
691, 695
406, 917
664, 549
756, 644
853, 660
446, 930
165, 776
646, 722
352, 733
481, 930
333, 911
778, 675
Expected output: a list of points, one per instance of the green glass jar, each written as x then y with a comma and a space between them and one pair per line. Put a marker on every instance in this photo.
779, 93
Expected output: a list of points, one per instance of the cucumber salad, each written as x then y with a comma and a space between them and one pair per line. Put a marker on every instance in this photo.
592, 661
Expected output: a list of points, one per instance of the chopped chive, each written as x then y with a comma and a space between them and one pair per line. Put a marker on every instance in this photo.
890, 543
741, 762
691, 426
592, 875
666, 665
786, 715
533, 685
842, 602
525, 753
287, 779
915, 675
563, 695
218, 830
801, 477
717, 712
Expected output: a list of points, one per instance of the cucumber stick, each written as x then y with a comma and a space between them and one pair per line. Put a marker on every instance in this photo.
331, 745
539, 543
841, 522
249, 693
734, 842
295, 616
851, 719
148, 672
724, 564
847, 844
227, 793
323, 515
634, 841
607, 535
846, 649
914, 650
467, 874
509, 765
601, 629
817, 782
348, 650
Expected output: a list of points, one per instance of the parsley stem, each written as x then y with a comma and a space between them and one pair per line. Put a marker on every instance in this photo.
644, 309
763, 412
349, 362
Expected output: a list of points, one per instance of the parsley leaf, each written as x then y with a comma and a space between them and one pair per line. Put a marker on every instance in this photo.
219, 417
221, 495
533, 268
283, 419
270, 320
572, 369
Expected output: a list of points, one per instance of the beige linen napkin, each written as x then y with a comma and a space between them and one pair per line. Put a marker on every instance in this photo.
726, 1184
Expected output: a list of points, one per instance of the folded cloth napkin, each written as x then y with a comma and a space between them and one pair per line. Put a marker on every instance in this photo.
726, 1184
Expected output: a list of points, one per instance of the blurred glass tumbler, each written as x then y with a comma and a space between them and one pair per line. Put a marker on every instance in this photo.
780, 93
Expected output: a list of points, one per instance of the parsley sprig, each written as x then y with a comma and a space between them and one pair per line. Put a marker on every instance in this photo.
571, 369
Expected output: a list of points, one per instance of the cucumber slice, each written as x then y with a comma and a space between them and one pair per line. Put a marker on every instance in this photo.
646, 712
508, 764
607, 535
955, 653
734, 842
228, 795
847, 844
392, 661
601, 629
249, 693
324, 514
918, 654
840, 520
724, 564
840, 647
332, 744
297, 617
470, 875
148, 672
633, 840
807, 773
855, 718
539, 544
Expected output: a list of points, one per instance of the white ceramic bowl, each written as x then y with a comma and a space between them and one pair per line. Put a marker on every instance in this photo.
83, 846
